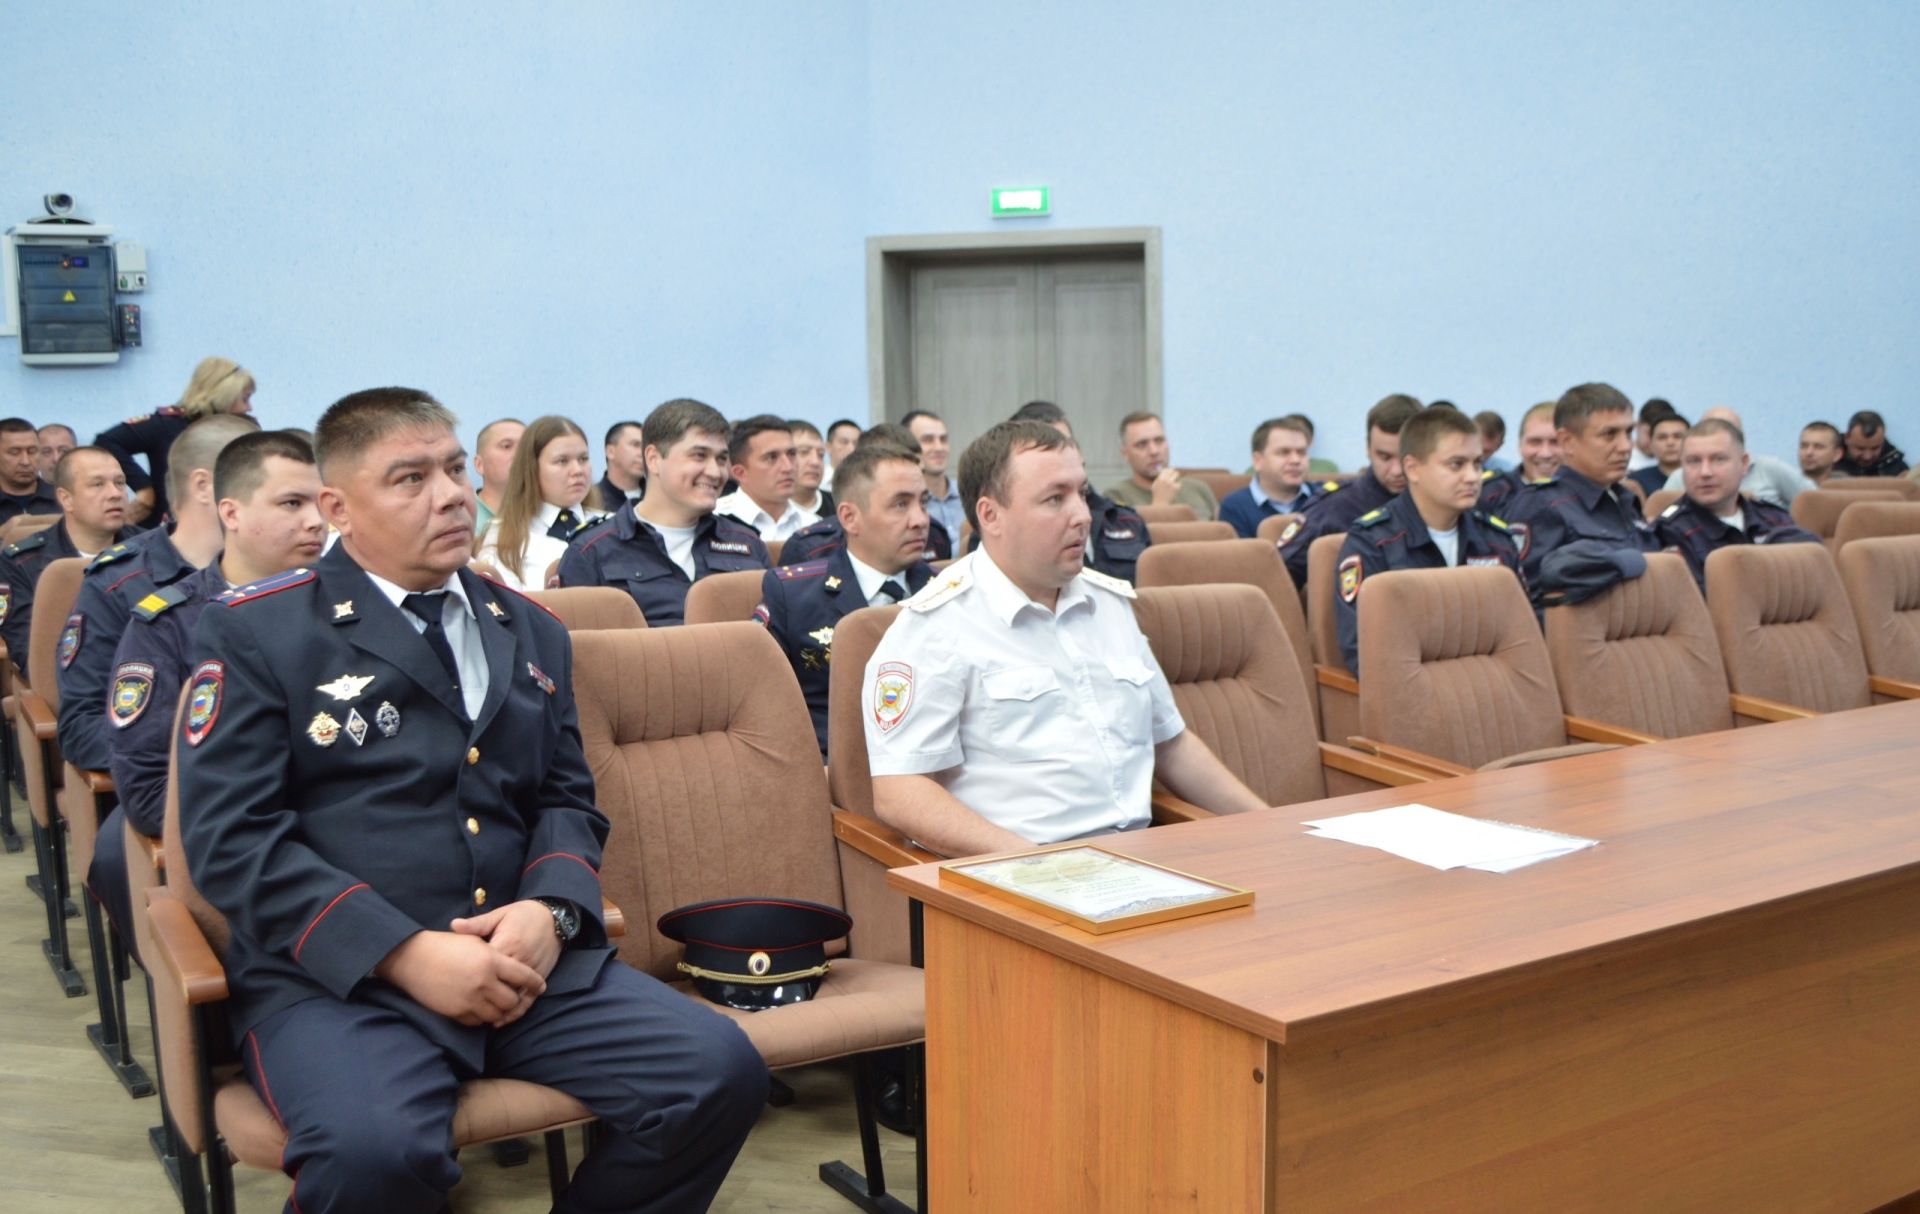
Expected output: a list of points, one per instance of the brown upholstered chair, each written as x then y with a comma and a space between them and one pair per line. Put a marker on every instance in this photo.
1867, 520
1221, 481
1882, 577
1191, 533
1454, 674
1338, 690
550, 580
1272, 527
774, 549
36, 728
1659, 500
1254, 562
1819, 510
1787, 632
215, 1114
1177, 512
724, 598
20, 526
1642, 656
1908, 486
710, 776
83, 801
589, 608
9, 677
1634, 487
487, 569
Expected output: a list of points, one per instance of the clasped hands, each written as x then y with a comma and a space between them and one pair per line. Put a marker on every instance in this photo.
486, 970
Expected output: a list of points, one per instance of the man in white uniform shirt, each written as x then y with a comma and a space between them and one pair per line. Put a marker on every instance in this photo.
1014, 700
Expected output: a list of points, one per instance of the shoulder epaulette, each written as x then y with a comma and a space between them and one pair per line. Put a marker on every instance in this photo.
169, 411
1545, 480
1108, 582
266, 586
109, 555
1674, 509
942, 589
1332, 486
1497, 523
1488, 474
805, 569
1371, 517
160, 600
37, 540
521, 595
134, 421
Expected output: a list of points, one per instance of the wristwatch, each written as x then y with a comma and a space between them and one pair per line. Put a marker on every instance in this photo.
566, 920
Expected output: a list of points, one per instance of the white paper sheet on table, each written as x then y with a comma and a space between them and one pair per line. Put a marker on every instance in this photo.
1445, 840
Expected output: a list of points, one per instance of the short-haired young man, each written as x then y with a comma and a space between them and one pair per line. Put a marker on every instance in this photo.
1539, 459
1015, 701
21, 489
1869, 451
1714, 513
818, 540
1821, 446
1651, 411
1335, 511
882, 512
1279, 484
658, 547
936, 455
1154, 480
1493, 435
625, 452
56, 439
1118, 535
809, 469
382, 788
1432, 525
1669, 431
842, 434
760, 455
93, 497
492, 459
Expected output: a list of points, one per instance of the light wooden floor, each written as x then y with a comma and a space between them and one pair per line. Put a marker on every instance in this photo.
76, 1143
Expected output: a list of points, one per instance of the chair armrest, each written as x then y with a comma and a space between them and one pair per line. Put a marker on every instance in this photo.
99, 783
1899, 689
1767, 710
39, 716
1372, 767
1336, 679
613, 918
155, 850
1169, 809
183, 951
1583, 730
879, 842
1437, 768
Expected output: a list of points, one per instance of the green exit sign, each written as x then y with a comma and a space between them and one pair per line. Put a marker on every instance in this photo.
1022, 200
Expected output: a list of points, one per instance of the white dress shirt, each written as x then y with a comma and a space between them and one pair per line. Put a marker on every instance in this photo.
738, 505
463, 636
542, 549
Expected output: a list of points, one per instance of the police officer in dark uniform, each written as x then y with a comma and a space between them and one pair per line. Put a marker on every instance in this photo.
1432, 525
1342, 504
656, 548
128, 574
1117, 534
818, 540
93, 495
383, 789
1714, 513
219, 385
1584, 503
883, 512
21, 489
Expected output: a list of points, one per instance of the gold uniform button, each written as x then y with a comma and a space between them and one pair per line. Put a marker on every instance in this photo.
479, 897
473, 755
473, 826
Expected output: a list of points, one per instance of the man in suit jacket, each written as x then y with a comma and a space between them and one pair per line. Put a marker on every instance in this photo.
384, 791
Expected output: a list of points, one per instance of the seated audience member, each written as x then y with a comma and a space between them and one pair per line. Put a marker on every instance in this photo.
492, 457
1493, 435
1279, 484
1821, 446
625, 450
219, 385
267, 495
1714, 513
841, 437
1433, 525
1669, 431
1768, 479
817, 540
92, 492
1869, 451
1014, 700
1583, 507
1155, 481
809, 469
883, 517
549, 499
21, 489
1539, 459
1316, 468
1118, 535
936, 455
656, 548
375, 963
760, 452
56, 440
1335, 511
125, 575
1650, 412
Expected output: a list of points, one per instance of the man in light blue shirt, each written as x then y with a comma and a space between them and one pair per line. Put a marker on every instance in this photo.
1279, 484
943, 491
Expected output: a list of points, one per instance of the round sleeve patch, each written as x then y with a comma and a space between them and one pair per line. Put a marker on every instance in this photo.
70, 639
203, 702
1350, 578
892, 694
6, 601
132, 688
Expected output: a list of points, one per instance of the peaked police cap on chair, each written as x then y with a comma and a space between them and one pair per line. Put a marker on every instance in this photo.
755, 953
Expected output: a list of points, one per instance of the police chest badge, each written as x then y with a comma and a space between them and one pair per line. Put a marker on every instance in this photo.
1349, 579
387, 719
892, 694
323, 729
6, 601
1522, 537
132, 688
1290, 530
70, 639
203, 700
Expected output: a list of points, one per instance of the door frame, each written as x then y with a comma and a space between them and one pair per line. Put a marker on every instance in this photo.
892, 259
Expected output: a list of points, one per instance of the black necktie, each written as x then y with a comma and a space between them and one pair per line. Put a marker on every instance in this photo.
428, 607
564, 526
894, 590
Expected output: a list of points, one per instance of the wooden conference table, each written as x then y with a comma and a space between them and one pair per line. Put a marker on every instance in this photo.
1718, 1008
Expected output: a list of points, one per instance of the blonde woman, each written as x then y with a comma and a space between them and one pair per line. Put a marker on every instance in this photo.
219, 385
549, 496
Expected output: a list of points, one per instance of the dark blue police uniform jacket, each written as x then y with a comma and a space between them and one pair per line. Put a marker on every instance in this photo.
40, 501
1332, 513
335, 799
151, 435
800, 604
21, 565
624, 553
118, 578
1695, 532
816, 541
1497, 489
1396, 537
1570, 508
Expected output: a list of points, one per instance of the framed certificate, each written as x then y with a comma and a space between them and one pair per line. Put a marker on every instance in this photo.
1095, 889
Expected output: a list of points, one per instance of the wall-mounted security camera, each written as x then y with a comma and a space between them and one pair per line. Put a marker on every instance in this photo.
58, 204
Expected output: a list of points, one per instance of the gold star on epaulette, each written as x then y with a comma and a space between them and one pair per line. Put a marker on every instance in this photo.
495, 609
832, 583
342, 610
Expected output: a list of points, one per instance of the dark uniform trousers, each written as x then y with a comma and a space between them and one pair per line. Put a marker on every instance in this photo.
1396, 537
336, 798
1117, 537
1572, 509
1695, 532
625, 553
800, 604
1330, 514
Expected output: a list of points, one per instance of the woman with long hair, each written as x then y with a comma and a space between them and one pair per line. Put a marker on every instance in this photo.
549, 496
219, 385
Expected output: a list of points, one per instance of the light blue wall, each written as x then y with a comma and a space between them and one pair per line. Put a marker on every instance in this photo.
591, 207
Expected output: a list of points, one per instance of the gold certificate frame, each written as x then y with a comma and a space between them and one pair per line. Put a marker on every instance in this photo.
1094, 889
